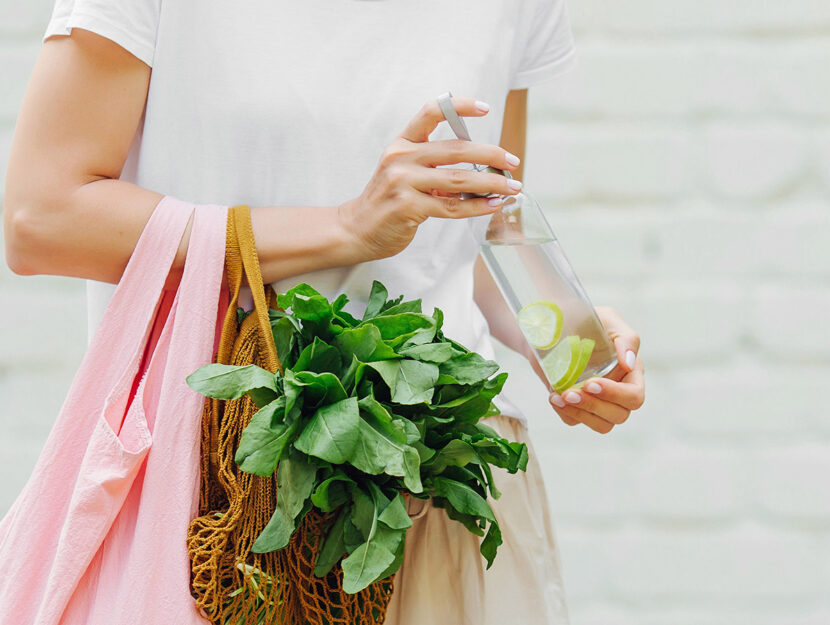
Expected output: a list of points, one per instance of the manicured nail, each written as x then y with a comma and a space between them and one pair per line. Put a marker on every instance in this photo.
514, 185
495, 201
557, 400
593, 387
630, 359
482, 106
512, 159
573, 398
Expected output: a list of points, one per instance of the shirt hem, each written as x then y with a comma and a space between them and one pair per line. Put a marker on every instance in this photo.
64, 24
546, 72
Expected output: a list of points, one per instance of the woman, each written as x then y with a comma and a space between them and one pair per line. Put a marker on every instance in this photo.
287, 107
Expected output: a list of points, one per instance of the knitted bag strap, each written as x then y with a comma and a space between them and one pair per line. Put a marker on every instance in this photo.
241, 257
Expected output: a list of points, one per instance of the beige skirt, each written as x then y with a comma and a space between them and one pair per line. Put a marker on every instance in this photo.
443, 580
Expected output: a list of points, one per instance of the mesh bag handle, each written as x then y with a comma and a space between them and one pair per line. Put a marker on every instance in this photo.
241, 257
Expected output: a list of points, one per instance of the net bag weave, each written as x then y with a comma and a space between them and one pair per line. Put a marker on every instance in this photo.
231, 584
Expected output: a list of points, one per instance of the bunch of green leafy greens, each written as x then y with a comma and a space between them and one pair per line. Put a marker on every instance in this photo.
365, 411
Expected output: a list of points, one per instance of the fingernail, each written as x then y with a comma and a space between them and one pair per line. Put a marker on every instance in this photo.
512, 159
495, 201
482, 106
593, 387
514, 185
573, 398
630, 359
557, 400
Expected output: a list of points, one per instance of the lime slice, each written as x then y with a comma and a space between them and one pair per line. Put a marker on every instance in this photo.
578, 366
558, 363
541, 323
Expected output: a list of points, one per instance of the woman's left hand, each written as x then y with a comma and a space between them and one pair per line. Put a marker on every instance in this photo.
602, 403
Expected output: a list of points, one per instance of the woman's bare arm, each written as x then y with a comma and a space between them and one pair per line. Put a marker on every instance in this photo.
487, 294
66, 212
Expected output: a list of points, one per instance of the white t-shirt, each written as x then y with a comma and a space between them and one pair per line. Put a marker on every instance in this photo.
291, 103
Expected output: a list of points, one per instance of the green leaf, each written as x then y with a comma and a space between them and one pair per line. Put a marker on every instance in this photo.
468, 368
332, 433
494, 451
264, 440
364, 510
295, 476
454, 395
483, 428
491, 543
471, 522
380, 452
286, 300
371, 558
339, 302
319, 357
397, 561
364, 565
333, 547
397, 328
413, 306
394, 515
377, 298
479, 406
353, 375
429, 352
276, 533
352, 538
331, 492
418, 337
319, 388
409, 381
438, 315
411, 431
379, 418
523, 457
487, 475
456, 453
284, 339
462, 497
424, 452
231, 382
311, 307
365, 343
392, 302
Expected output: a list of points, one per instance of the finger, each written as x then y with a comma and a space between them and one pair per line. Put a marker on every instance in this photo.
453, 151
607, 410
626, 340
439, 193
461, 180
598, 424
421, 126
456, 208
628, 392
569, 420
558, 408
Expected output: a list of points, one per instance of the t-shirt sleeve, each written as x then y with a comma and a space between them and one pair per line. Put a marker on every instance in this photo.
132, 24
544, 46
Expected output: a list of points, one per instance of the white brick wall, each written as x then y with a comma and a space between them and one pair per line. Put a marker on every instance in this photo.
686, 169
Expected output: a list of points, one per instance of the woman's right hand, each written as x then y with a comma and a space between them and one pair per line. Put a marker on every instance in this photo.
408, 186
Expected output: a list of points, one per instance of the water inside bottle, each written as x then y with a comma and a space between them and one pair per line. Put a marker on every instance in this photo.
536, 272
